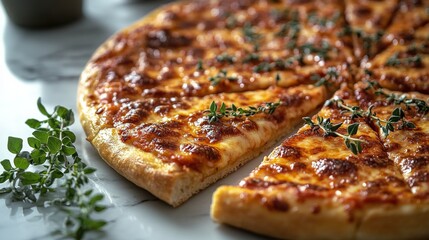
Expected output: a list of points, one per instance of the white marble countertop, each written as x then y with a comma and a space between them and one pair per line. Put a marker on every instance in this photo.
47, 64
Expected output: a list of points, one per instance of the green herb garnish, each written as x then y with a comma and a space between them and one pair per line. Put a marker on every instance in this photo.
251, 57
331, 75
386, 125
225, 58
369, 41
215, 113
277, 78
53, 165
395, 61
322, 21
421, 105
262, 67
251, 36
200, 66
354, 144
221, 75
310, 48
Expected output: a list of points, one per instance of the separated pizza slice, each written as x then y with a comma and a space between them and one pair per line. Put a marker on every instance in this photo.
313, 186
404, 131
402, 67
175, 148
368, 20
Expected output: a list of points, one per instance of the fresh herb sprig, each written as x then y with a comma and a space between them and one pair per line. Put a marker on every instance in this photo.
252, 36
386, 125
221, 75
354, 144
53, 165
311, 48
421, 105
200, 66
369, 41
215, 113
291, 29
396, 61
225, 58
331, 75
323, 22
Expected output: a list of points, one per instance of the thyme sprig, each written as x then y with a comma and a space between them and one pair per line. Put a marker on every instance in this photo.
251, 36
251, 57
221, 75
225, 58
402, 99
200, 66
331, 75
311, 48
215, 113
386, 125
369, 41
354, 144
53, 165
290, 29
396, 61
324, 22
279, 64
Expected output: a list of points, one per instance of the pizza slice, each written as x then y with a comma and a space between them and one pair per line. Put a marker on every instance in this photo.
314, 187
411, 16
176, 147
367, 20
405, 134
402, 67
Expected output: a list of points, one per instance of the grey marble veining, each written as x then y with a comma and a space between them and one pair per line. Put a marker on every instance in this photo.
47, 63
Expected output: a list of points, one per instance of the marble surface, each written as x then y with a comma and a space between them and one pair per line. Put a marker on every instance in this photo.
47, 64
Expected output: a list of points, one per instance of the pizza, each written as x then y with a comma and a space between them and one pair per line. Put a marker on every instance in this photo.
145, 94
194, 90
313, 186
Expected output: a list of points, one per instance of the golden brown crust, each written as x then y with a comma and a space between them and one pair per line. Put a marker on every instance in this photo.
242, 208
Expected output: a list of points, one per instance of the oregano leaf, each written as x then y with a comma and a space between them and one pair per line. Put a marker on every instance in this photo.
28, 178
54, 144
6, 165
14, 145
42, 108
21, 163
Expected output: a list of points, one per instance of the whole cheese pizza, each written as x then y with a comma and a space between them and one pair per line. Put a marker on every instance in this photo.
196, 89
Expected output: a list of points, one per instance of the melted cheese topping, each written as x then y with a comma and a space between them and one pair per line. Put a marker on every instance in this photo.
370, 16
186, 137
199, 48
410, 17
407, 147
403, 67
318, 166
155, 80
